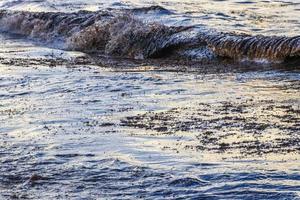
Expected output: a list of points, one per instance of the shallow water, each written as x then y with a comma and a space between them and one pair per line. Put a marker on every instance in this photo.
63, 134
71, 129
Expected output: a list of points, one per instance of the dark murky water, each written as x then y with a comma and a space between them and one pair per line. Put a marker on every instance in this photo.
70, 129
280, 17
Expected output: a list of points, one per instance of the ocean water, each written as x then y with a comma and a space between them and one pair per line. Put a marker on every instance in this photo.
76, 124
280, 17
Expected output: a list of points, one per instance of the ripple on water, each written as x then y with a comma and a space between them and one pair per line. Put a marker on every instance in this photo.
62, 138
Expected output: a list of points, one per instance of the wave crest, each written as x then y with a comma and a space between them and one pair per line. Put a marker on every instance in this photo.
241, 47
126, 36
120, 33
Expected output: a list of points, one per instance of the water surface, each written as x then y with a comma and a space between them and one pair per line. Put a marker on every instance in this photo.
77, 130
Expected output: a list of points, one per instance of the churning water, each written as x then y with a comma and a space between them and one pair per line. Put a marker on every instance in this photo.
91, 108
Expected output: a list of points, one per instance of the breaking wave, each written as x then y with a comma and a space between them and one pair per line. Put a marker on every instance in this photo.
121, 33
